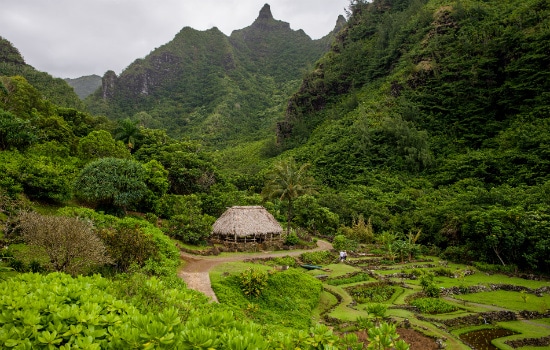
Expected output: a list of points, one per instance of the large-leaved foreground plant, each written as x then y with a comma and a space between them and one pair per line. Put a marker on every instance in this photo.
57, 311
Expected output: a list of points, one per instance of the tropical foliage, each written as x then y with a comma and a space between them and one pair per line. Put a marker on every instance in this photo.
425, 126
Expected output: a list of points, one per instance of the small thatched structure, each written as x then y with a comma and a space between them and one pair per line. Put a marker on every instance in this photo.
246, 224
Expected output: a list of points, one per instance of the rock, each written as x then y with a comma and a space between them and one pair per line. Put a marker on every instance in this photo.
440, 344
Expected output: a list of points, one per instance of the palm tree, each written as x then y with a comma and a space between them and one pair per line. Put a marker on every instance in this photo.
287, 181
127, 131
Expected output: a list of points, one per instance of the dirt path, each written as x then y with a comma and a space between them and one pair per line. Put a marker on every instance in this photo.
195, 272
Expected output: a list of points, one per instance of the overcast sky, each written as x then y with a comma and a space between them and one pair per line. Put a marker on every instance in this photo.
72, 38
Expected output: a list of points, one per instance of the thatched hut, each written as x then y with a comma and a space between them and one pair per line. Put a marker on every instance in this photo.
247, 224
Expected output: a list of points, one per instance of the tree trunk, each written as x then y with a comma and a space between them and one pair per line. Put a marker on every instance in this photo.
288, 216
498, 255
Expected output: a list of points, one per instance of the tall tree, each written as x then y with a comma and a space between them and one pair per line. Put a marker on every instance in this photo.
112, 183
288, 181
127, 132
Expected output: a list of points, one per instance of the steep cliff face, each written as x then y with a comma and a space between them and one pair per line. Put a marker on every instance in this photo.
108, 83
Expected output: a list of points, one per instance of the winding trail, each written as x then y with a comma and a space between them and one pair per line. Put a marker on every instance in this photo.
195, 272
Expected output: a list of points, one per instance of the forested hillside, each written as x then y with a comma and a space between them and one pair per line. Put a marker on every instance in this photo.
211, 87
85, 86
434, 116
54, 89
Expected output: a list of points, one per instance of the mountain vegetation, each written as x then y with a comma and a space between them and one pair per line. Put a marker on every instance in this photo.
54, 89
209, 87
433, 116
421, 125
85, 86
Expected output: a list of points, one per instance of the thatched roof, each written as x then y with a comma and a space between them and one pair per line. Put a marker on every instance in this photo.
246, 221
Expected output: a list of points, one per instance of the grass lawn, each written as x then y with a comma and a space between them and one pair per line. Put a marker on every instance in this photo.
218, 272
342, 311
326, 302
509, 300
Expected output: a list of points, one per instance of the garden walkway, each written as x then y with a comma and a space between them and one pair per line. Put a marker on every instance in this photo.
195, 272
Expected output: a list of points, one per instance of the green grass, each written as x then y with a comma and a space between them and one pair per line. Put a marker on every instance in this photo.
342, 311
218, 272
288, 300
525, 330
326, 302
509, 300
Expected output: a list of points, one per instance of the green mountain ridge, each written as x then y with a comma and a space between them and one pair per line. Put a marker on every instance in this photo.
56, 90
86, 85
211, 87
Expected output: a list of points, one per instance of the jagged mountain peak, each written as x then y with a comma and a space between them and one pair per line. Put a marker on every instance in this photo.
266, 21
265, 13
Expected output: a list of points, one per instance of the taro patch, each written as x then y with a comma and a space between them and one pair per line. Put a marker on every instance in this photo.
481, 339
377, 292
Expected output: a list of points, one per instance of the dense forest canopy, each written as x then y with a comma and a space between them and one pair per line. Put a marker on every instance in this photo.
433, 115
426, 116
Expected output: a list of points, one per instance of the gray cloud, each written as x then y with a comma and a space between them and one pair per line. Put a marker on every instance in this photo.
72, 38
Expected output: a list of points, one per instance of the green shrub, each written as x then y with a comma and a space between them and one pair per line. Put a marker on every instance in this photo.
317, 258
433, 306
127, 246
292, 238
57, 311
458, 254
17, 265
377, 310
385, 337
485, 267
428, 285
163, 260
341, 242
192, 230
442, 271
253, 282
372, 292
347, 279
360, 231
283, 261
